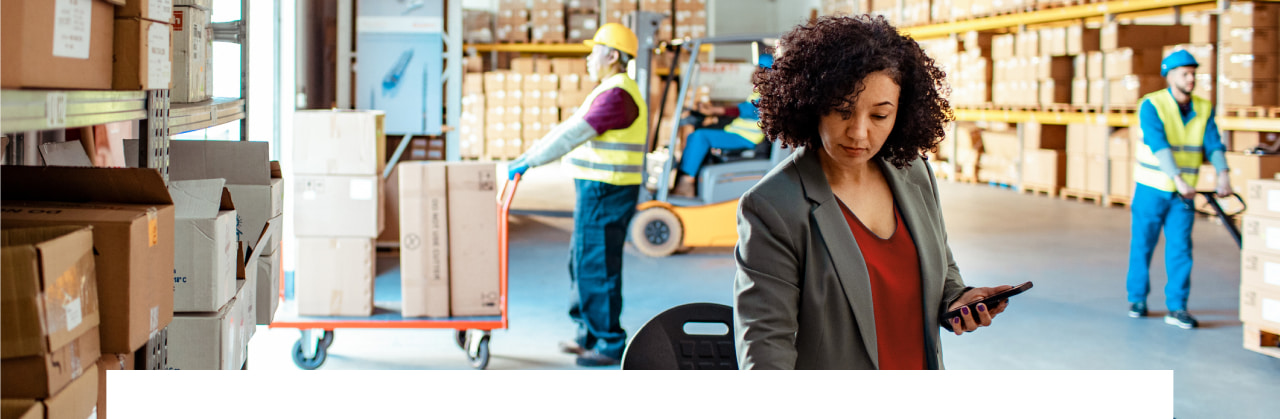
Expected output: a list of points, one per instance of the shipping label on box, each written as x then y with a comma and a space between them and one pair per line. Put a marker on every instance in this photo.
133, 220
424, 240
51, 288
336, 277
41, 375
204, 276
1263, 197
473, 243
192, 55
141, 55
1260, 233
337, 206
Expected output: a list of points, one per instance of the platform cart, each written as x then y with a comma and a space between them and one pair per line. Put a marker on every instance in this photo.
472, 333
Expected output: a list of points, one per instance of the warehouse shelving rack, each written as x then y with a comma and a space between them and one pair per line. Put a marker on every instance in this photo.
1082, 14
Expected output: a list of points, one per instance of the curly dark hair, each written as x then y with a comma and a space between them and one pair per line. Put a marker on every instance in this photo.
823, 62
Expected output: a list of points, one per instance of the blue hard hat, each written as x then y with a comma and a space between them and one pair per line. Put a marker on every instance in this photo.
765, 60
1177, 59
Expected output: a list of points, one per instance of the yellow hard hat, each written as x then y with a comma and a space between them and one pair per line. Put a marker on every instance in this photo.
615, 36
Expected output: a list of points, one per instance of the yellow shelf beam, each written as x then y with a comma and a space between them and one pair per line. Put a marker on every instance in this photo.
1249, 124
1043, 16
551, 49
1054, 118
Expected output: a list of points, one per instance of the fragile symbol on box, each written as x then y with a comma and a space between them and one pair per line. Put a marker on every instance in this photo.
412, 242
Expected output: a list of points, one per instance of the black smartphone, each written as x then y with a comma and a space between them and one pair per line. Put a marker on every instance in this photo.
991, 301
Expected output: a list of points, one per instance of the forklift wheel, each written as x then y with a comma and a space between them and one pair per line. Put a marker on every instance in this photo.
656, 232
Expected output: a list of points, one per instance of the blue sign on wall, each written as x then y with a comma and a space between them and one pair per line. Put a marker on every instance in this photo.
399, 63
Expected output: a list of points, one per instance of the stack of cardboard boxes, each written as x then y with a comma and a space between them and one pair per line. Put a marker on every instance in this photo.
1087, 161
1016, 68
547, 22
1000, 158
974, 70
513, 21
472, 128
1261, 267
915, 13
1044, 157
886, 8
843, 7
1250, 73
503, 114
51, 335
338, 209
192, 51
691, 19
666, 28
1132, 59
1055, 68
142, 58
522, 105
1087, 66
449, 239
615, 10
1121, 155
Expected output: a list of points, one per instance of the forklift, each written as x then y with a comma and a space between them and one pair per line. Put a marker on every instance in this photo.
666, 224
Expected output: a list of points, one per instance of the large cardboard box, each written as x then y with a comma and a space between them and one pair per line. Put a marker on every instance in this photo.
424, 242
110, 362
1127, 90
1129, 61
1252, 66
1121, 179
1246, 140
1081, 40
1261, 40
205, 341
339, 142
133, 221
255, 183
1242, 168
21, 409
50, 288
141, 59
1096, 173
1263, 197
1260, 233
1246, 14
39, 376
154, 10
205, 247
56, 44
1249, 92
1045, 168
1044, 136
338, 206
335, 276
1260, 305
1087, 139
78, 400
473, 239
1114, 36
192, 55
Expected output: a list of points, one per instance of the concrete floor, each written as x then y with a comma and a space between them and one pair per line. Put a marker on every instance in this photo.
1075, 318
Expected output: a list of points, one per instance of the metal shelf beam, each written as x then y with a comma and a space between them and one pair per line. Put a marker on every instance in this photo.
38, 110
1044, 16
186, 117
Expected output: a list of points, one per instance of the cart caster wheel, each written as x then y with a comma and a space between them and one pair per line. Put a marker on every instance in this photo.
460, 337
305, 363
327, 339
656, 232
480, 359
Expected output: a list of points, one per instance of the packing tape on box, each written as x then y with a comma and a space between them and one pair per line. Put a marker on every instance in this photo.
153, 228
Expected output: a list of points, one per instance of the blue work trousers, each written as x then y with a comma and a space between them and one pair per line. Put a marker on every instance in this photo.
702, 141
1151, 211
601, 216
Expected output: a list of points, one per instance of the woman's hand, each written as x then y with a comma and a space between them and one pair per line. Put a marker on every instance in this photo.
966, 323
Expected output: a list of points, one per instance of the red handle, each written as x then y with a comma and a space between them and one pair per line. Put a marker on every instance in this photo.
504, 206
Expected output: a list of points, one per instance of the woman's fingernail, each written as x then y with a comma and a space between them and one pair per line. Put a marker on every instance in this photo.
982, 307
956, 320
965, 310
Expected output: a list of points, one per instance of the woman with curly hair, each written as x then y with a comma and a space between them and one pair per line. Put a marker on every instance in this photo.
843, 261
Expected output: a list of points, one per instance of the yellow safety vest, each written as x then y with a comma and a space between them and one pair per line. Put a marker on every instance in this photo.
746, 127
1186, 142
616, 156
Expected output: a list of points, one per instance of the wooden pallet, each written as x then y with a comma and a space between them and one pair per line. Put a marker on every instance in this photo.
1261, 339
1246, 111
1057, 107
1274, 113
1050, 191
1122, 109
1118, 200
1087, 108
1081, 196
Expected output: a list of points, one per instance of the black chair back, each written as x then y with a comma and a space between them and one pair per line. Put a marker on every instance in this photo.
663, 344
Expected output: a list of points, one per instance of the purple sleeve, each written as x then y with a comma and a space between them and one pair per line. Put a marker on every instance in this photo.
612, 109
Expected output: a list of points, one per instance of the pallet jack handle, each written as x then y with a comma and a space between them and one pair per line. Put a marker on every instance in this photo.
1223, 216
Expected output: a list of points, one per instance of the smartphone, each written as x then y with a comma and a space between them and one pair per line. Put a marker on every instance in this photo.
991, 301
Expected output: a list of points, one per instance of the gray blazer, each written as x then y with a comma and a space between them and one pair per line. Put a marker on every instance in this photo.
802, 298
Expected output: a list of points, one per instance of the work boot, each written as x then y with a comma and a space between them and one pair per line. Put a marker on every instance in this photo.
571, 348
595, 359
1180, 318
684, 186
1139, 310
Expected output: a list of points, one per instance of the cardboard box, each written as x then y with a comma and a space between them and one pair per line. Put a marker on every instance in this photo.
1087, 139
1260, 305
268, 292
495, 81
337, 278
424, 243
1246, 140
1054, 68
1263, 197
1260, 233
1252, 67
1121, 179
50, 292
1080, 91
339, 142
255, 183
56, 45
1041, 136
1129, 61
109, 362
1128, 90
21, 409
205, 341
1249, 92
41, 375
141, 58
1261, 269
133, 221
204, 276
1243, 168
580, 27
154, 10
1246, 14
473, 243
523, 65
1081, 40
192, 55
1094, 65
338, 206
1054, 92
78, 400
1046, 168
1096, 173
1115, 36
1251, 40
247, 306
1203, 29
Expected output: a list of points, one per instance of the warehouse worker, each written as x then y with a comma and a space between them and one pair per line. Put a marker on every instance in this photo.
605, 142
1178, 131
743, 133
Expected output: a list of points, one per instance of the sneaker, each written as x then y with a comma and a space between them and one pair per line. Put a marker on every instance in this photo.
595, 359
1180, 318
571, 348
1138, 310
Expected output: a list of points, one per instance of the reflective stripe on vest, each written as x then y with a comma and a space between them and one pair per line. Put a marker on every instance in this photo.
747, 128
1186, 142
615, 156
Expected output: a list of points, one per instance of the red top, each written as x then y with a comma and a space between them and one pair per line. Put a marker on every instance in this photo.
895, 274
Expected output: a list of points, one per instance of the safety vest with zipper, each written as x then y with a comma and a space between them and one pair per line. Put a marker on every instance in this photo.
1187, 142
748, 128
616, 156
